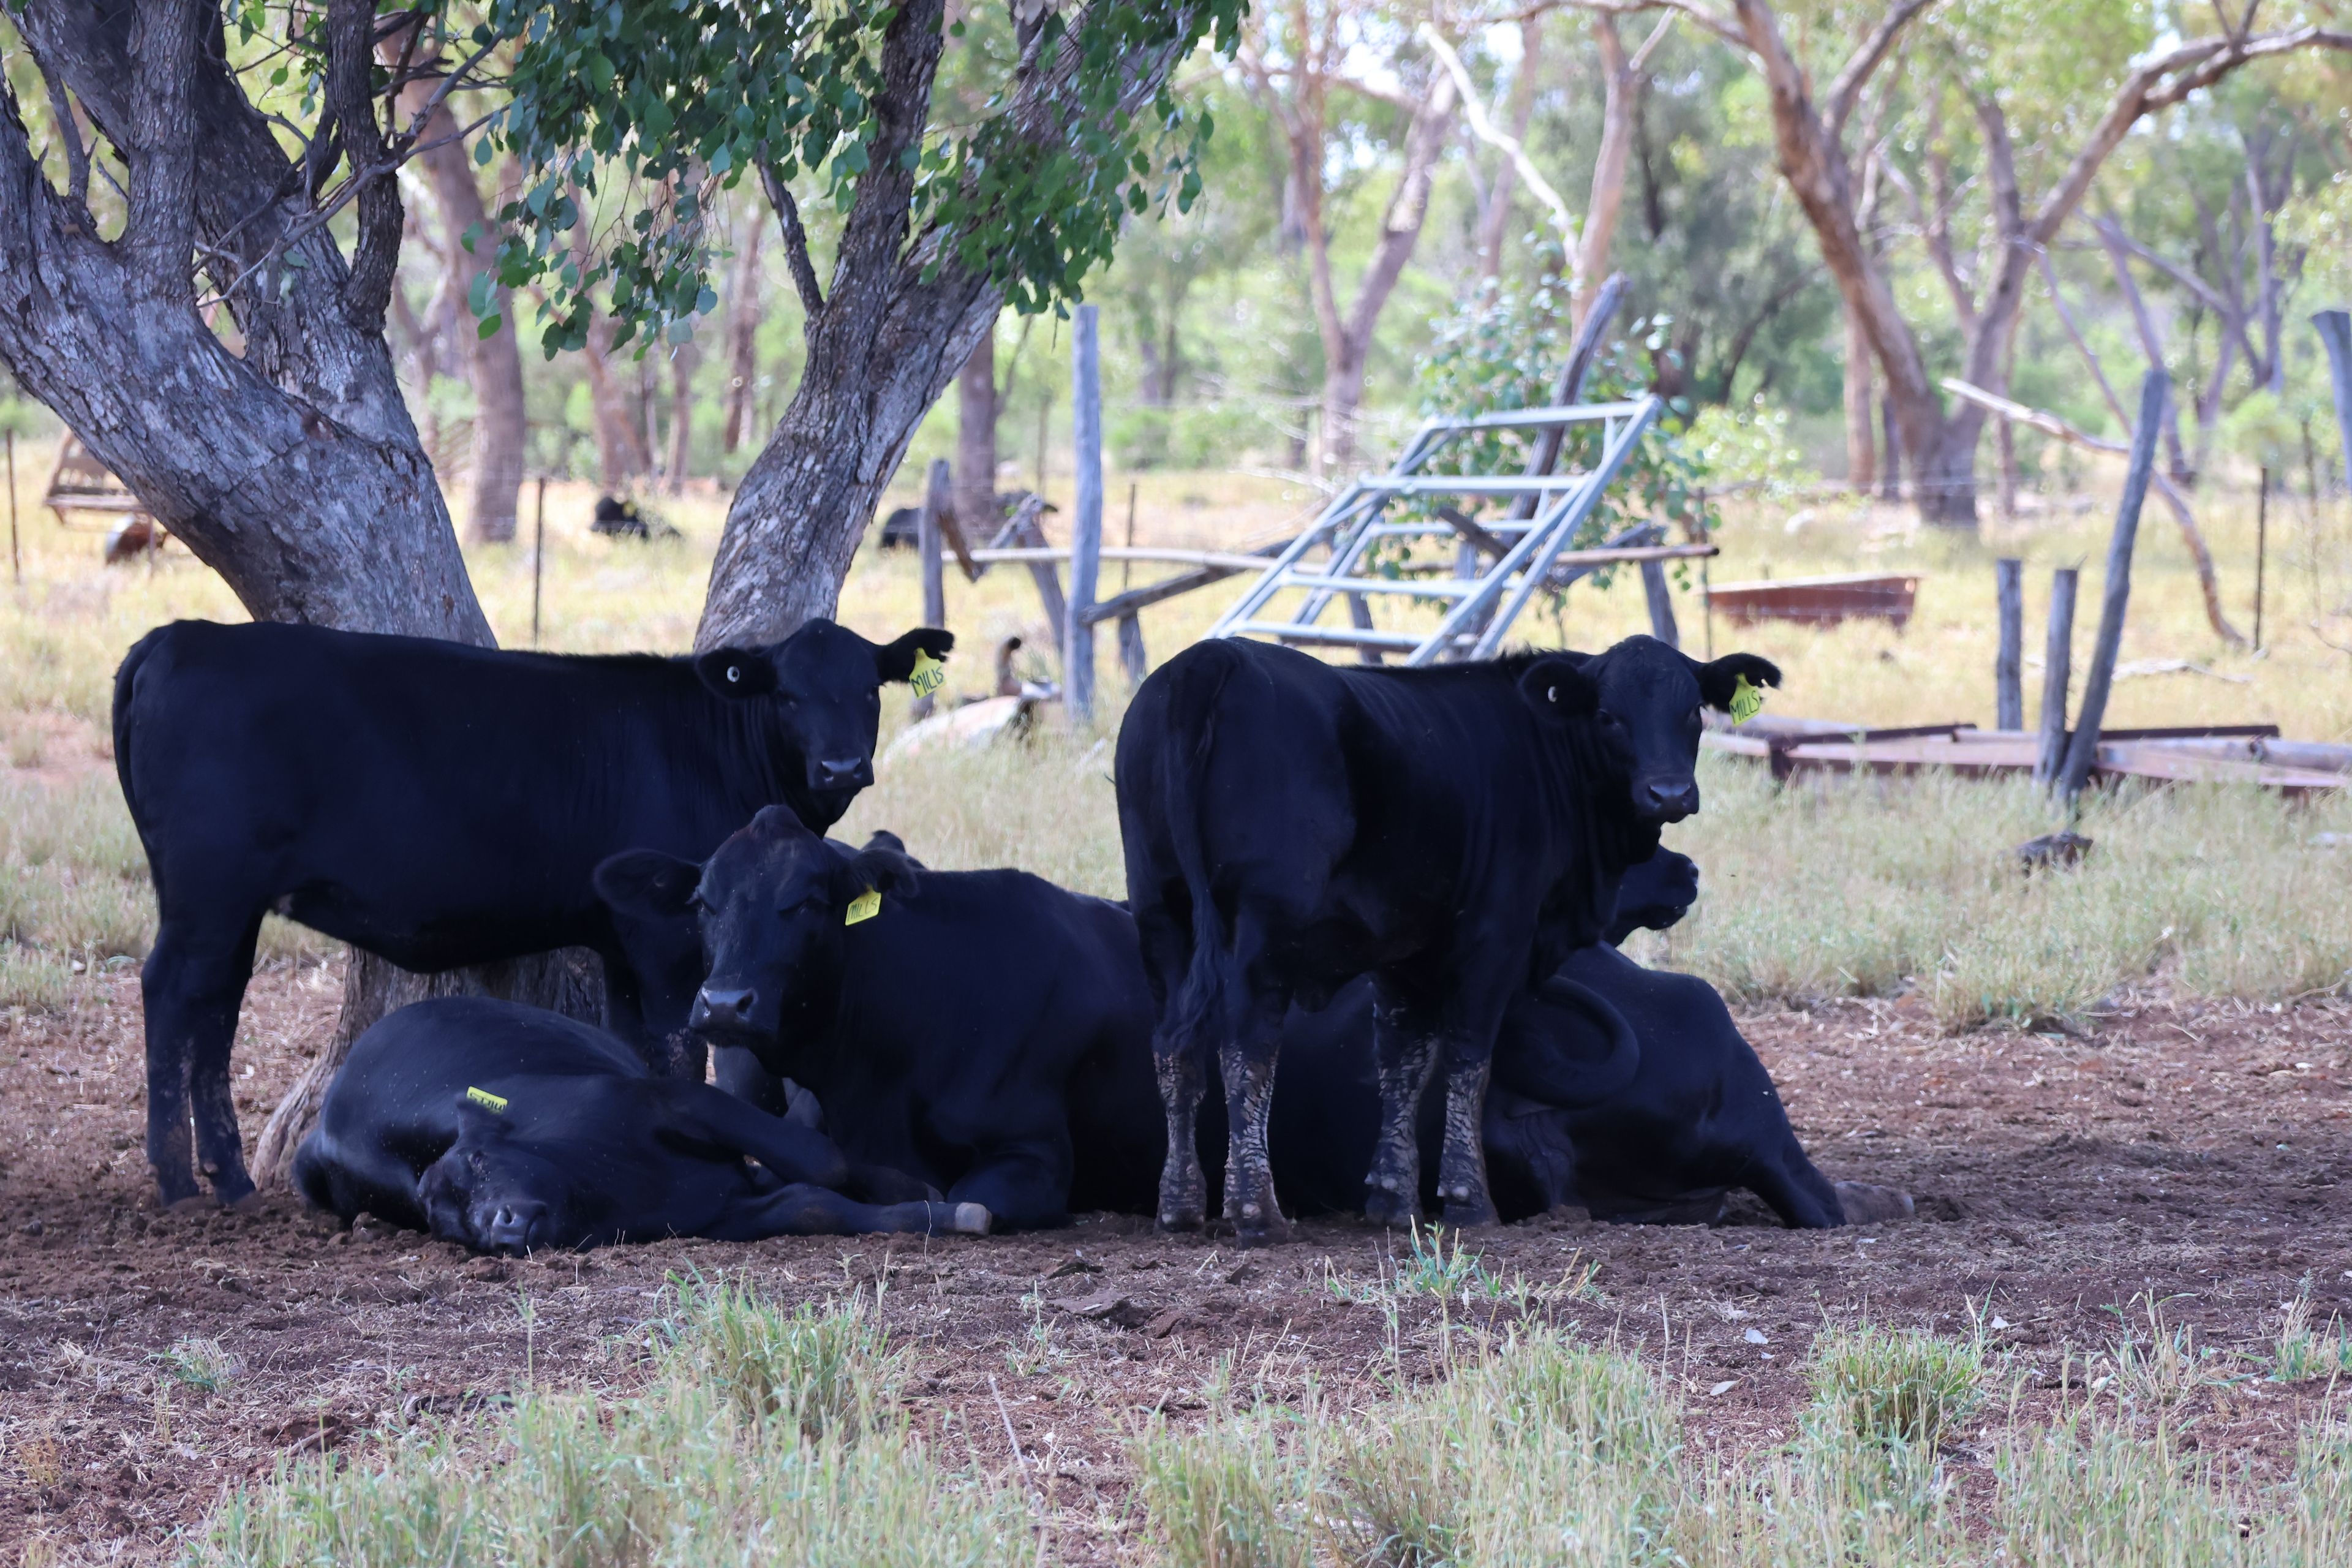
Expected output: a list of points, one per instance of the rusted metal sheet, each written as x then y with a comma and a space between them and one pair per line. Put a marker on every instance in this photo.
1819, 601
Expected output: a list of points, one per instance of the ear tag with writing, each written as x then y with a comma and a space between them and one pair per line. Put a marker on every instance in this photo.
928, 674
486, 1100
864, 907
1747, 700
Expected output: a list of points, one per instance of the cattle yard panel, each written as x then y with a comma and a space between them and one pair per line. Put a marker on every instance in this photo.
1522, 552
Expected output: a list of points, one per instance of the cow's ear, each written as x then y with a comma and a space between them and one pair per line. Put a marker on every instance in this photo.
1719, 679
1557, 687
884, 838
896, 660
737, 671
647, 883
873, 867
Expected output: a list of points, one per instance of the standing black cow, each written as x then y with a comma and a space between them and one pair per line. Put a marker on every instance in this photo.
507, 1129
438, 804
1453, 831
981, 1030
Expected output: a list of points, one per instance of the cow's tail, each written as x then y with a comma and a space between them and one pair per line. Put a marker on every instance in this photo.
1574, 1084
1201, 1008
126, 692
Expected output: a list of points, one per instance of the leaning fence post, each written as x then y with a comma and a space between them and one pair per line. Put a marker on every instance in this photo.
2008, 677
2114, 596
2057, 670
1662, 604
2335, 332
939, 497
1086, 527
537, 555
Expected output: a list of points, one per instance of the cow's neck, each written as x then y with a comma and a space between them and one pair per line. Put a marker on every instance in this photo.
1600, 838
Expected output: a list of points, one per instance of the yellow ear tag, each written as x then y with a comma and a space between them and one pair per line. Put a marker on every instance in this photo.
928, 674
864, 907
488, 1101
1747, 700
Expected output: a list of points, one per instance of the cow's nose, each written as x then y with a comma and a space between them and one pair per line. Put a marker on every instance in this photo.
843, 773
722, 1008
1669, 802
516, 1225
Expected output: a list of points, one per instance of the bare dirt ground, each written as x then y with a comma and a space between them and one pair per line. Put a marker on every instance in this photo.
2199, 1154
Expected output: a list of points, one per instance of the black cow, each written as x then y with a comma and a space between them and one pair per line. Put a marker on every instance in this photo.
507, 1129
1628, 1091
978, 1029
438, 804
1453, 831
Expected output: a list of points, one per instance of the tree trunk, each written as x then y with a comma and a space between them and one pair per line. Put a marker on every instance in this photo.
684, 359
1620, 94
495, 363
743, 337
621, 454
1861, 409
293, 469
1495, 218
975, 464
1348, 339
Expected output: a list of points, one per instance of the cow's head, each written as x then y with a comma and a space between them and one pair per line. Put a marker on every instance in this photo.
490, 1192
823, 685
775, 905
1654, 895
1644, 697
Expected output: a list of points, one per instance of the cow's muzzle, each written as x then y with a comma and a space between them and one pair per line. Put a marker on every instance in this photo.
841, 772
516, 1225
1669, 802
723, 1007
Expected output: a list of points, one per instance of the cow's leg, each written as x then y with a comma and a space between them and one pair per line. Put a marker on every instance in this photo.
192, 985
1404, 1047
800, 1210
1247, 1062
1478, 1005
1183, 1191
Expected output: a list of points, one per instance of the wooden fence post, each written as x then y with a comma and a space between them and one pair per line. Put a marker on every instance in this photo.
1130, 650
939, 500
1662, 604
2057, 670
1085, 527
2114, 593
2262, 546
537, 555
2335, 332
2008, 675
15, 561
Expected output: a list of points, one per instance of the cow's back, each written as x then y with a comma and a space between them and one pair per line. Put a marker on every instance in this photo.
431, 800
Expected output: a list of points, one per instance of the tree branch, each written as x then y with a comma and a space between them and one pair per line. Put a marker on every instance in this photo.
350, 91
796, 249
1838, 106
1486, 131
76, 157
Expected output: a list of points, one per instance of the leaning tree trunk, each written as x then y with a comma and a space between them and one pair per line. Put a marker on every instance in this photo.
293, 469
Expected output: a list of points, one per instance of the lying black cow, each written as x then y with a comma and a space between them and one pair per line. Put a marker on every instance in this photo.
1627, 1092
438, 804
509, 1129
1453, 831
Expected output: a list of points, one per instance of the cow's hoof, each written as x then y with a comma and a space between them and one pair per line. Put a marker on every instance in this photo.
232, 1189
971, 1219
1867, 1204
1463, 1214
1178, 1221
1392, 1209
1263, 1232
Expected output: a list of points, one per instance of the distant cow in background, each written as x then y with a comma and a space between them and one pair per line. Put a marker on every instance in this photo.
439, 805
509, 1129
1453, 831
618, 518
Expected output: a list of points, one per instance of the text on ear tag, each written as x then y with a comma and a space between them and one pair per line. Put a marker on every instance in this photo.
928, 674
864, 907
1747, 700
488, 1101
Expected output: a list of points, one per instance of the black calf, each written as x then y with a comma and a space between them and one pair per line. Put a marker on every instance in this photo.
438, 805
508, 1128
984, 1030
